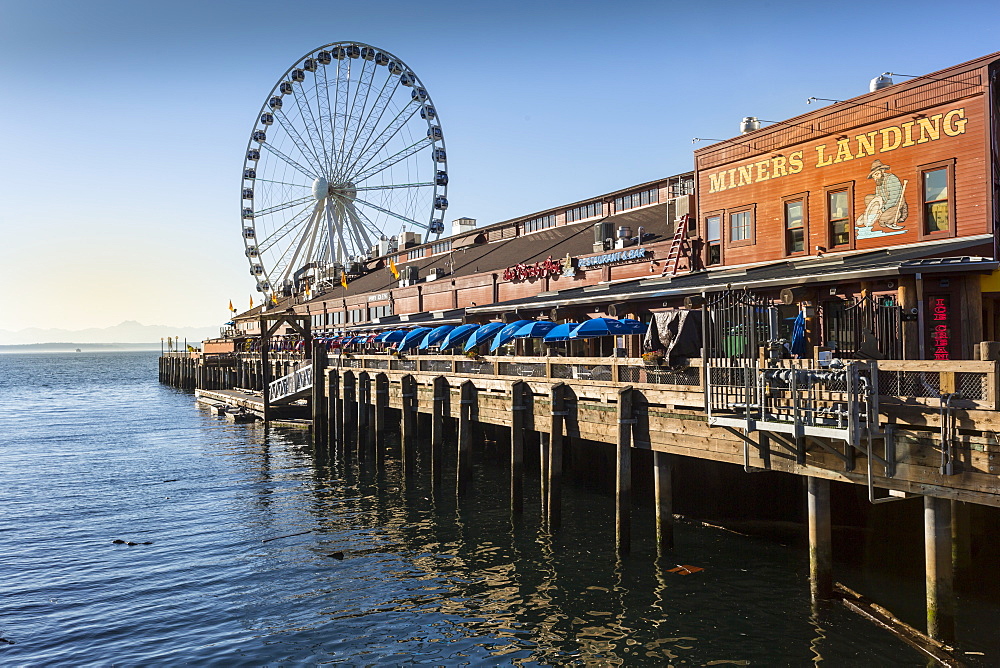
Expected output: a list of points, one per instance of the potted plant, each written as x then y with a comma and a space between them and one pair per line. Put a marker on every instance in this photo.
653, 357
472, 354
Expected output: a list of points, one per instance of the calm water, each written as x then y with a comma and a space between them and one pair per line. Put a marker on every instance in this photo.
93, 449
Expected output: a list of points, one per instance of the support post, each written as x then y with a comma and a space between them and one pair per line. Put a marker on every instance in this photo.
381, 427
265, 364
408, 423
517, 408
319, 403
333, 412
820, 540
937, 564
623, 486
663, 467
556, 456
464, 474
349, 412
439, 411
364, 400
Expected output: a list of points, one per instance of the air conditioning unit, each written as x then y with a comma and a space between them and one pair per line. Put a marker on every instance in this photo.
678, 207
410, 276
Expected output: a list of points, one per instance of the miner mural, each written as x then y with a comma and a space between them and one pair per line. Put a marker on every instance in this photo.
886, 209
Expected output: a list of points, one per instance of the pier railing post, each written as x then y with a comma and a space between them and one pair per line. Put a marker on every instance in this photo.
663, 466
556, 455
623, 486
938, 566
442, 393
319, 403
517, 408
820, 541
464, 473
408, 423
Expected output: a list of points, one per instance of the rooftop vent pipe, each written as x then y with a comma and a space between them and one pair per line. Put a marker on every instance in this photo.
749, 124
881, 81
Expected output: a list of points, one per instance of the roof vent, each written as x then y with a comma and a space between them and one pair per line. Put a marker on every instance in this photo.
749, 124
883, 80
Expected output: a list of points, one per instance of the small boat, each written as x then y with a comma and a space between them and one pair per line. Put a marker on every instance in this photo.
78, 350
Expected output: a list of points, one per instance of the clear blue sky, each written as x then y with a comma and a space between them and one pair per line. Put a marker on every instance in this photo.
126, 122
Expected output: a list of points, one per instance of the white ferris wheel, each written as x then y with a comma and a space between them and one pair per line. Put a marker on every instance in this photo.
346, 151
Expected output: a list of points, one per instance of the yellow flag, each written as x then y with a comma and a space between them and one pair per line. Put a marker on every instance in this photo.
343, 279
392, 267
274, 299
251, 301
231, 305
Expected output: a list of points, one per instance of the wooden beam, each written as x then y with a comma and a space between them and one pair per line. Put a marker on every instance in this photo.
623, 486
517, 413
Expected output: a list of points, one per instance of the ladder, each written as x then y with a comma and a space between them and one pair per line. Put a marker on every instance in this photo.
674, 255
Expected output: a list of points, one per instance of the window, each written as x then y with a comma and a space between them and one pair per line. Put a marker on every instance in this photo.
591, 210
441, 247
795, 227
741, 227
540, 223
380, 311
633, 200
713, 240
937, 187
838, 215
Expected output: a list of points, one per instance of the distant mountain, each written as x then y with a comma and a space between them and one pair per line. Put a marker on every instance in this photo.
129, 331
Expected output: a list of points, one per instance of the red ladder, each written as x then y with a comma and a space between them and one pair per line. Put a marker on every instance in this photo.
674, 255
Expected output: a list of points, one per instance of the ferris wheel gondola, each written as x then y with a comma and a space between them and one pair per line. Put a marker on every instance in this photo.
346, 151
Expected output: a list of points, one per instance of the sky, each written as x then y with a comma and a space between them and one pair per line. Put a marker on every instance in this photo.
126, 122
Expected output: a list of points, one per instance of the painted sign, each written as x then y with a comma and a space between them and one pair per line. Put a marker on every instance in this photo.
520, 272
940, 331
380, 297
611, 258
883, 140
885, 209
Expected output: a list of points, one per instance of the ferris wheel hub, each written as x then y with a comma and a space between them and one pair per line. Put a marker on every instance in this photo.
321, 188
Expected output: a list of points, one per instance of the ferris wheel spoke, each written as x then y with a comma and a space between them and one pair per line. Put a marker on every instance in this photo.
335, 235
316, 138
284, 267
391, 186
390, 213
281, 232
373, 118
354, 121
281, 207
392, 160
325, 116
284, 183
307, 151
368, 221
376, 143
291, 163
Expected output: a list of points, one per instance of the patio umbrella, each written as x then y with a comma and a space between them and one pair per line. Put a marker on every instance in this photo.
391, 337
480, 335
560, 332
599, 327
435, 336
797, 345
413, 338
634, 326
457, 336
536, 329
507, 333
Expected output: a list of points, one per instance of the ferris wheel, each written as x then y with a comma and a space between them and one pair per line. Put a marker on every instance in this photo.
347, 150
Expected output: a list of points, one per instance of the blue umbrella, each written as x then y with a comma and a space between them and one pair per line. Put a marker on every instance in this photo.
599, 327
798, 343
391, 337
435, 336
634, 326
480, 335
457, 336
560, 332
507, 333
536, 329
412, 338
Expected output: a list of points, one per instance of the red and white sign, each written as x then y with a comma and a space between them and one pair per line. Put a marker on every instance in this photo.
521, 272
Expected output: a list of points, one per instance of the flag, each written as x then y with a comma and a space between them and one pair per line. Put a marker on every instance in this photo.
343, 279
231, 305
274, 299
251, 301
392, 267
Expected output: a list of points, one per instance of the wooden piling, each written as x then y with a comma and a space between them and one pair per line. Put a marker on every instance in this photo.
623, 487
440, 409
320, 428
820, 540
349, 431
334, 410
364, 406
938, 570
517, 408
467, 397
663, 467
381, 426
556, 428
408, 423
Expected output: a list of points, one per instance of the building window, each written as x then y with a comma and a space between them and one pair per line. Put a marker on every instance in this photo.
795, 226
380, 311
591, 210
937, 191
634, 200
441, 247
539, 223
838, 215
713, 240
741, 227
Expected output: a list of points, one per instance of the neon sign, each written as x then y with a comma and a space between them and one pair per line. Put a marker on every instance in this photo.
940, 334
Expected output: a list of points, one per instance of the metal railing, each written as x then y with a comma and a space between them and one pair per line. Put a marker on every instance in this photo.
299, 380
